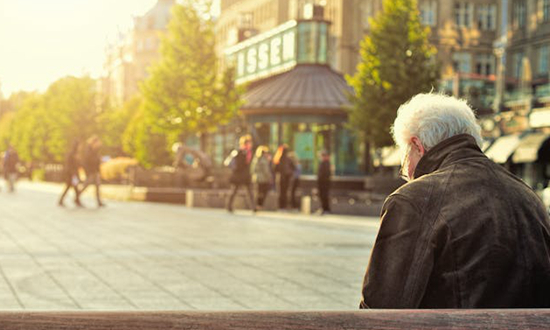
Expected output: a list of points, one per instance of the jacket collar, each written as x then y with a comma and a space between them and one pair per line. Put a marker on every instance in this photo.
446, 152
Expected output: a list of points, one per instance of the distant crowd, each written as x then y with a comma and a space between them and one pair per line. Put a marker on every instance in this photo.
261, 171
257, 170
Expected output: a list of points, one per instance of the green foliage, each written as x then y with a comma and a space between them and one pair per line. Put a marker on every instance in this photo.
6, 123
113, 122
185, 95
42, 126
71, 104
148, 147
29, 132
397, 62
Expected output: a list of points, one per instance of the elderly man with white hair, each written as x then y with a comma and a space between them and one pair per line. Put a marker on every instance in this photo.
463, 232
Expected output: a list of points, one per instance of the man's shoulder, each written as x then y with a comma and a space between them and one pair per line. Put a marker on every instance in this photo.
418, 187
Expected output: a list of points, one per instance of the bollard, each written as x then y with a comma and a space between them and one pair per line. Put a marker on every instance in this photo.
306, 204
189, 196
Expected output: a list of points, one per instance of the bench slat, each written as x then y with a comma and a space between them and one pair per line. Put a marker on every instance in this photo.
372, 319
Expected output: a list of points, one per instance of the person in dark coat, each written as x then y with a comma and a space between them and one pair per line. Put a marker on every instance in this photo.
91, 164
261, 174
323, 182
295, 180
70, 175
463, 232
11, 159
285, 168
240, 176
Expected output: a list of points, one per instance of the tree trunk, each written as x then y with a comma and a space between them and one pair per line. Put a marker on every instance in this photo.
369, 167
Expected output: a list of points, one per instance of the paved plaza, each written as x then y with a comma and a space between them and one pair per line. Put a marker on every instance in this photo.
145, 256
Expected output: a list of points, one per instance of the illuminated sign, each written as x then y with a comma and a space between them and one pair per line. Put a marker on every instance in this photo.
279, 50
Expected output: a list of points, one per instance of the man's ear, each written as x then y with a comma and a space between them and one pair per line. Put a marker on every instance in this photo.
417, 144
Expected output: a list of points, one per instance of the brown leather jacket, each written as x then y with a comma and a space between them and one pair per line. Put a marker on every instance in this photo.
465, 234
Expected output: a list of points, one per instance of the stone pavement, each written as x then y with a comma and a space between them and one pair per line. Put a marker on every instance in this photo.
145, 256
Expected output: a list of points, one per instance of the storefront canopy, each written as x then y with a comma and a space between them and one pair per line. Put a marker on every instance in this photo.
503, 148
528, 148
306, 89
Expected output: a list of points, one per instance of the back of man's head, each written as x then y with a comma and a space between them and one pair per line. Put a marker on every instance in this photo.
433, 118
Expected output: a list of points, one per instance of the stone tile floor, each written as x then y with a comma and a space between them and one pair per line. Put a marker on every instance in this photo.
145, 256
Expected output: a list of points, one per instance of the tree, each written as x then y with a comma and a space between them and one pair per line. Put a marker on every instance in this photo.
397, 62
42, 126
7, 116
72, 113
30, 130
185, 94
148, 147
113, 122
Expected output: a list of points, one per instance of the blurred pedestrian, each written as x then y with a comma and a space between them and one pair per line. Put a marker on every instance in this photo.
11, 159
91, 164
323, 181
295, 181
285, 169
262, 175
70, 175
239, 162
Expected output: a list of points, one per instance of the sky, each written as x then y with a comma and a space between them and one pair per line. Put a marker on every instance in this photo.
44, 40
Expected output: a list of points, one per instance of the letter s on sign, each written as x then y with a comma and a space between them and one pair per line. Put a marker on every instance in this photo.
251, 60
263, 55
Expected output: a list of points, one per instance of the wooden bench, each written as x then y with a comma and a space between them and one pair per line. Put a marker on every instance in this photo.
520, 319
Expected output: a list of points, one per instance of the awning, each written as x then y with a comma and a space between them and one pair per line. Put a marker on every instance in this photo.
306, 89
503, 148
528, 149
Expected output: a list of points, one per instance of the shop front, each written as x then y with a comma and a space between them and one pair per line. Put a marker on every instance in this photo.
293, 96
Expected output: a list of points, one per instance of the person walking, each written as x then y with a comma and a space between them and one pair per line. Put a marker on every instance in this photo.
323, 181
239, 161
91, 164
11, 159
295, 180
285, 169
261, 174
70, 175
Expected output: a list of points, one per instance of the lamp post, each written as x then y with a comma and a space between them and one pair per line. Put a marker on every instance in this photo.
499, 49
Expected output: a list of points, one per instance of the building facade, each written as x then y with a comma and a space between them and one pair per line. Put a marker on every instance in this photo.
128, 59
242, 19
522, 124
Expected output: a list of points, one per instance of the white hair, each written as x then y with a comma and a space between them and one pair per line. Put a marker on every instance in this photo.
433, 118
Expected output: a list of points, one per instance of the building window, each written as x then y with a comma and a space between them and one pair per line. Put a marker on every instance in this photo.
462, 62
546, 10
485, 64
463, 14
517, 64
542, 65
487, 17
519, 13
428, 12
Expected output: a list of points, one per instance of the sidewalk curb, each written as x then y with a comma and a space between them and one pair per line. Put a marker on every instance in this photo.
141, 194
